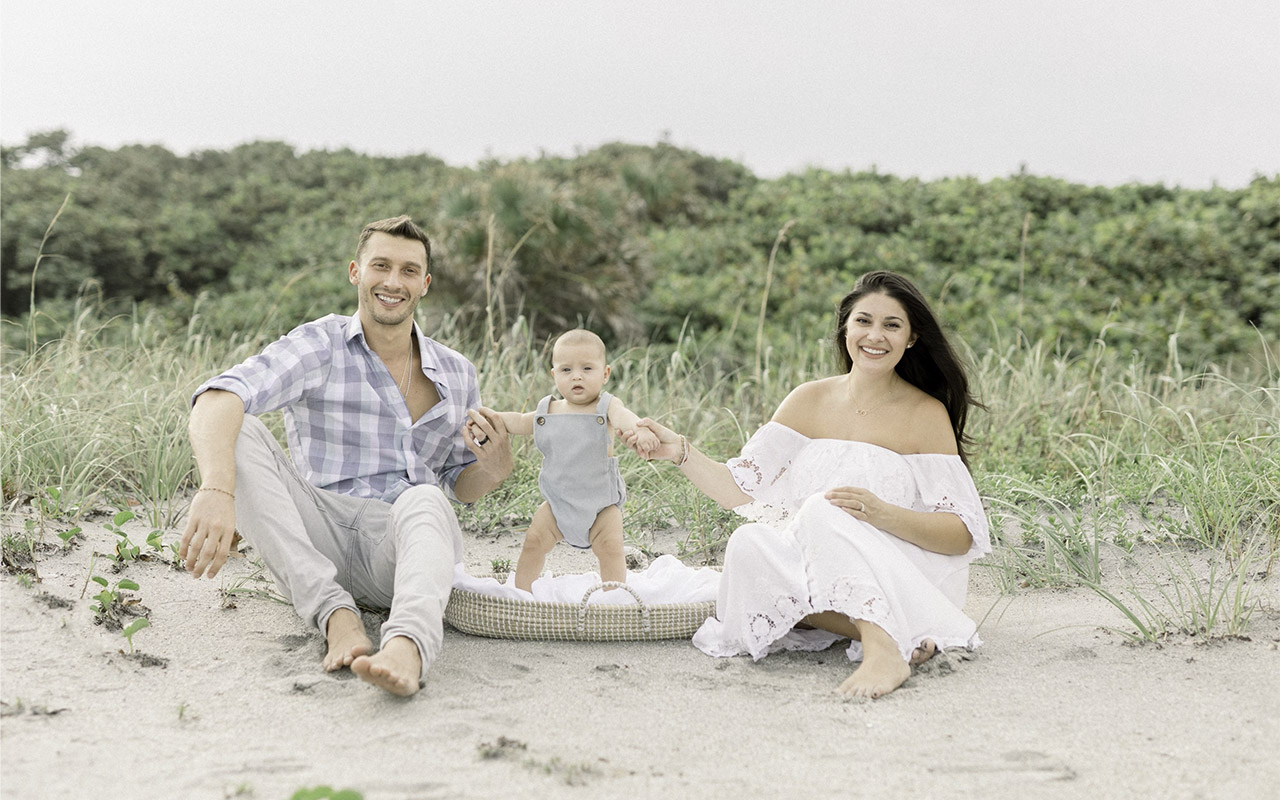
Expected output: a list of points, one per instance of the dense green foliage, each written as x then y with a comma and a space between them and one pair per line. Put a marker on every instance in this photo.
640, 243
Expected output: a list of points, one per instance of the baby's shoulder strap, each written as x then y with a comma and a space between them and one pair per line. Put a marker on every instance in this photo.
602, 405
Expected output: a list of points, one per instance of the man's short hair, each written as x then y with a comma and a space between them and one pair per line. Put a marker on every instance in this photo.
400, 226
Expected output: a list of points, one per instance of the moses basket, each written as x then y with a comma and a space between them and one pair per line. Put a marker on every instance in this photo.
505, 618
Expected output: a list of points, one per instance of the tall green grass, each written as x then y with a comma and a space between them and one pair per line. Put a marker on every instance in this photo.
1084, 459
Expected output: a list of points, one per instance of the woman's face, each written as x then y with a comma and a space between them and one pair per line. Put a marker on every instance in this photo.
877, 333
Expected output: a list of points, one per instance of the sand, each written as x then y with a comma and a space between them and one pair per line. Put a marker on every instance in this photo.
224, 697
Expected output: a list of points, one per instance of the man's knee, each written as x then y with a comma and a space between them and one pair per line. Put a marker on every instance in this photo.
423, 510
421, 497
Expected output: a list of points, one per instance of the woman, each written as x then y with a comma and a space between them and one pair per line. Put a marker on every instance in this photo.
865, 515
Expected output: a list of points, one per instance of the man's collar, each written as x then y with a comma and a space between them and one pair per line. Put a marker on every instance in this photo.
355, 328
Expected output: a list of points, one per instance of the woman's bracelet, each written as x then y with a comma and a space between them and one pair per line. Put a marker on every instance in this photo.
684, 451
215, 489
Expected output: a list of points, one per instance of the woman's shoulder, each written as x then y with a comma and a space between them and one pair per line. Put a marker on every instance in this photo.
801, 401
930, 425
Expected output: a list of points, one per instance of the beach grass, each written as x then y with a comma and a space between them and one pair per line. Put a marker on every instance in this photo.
1085, 460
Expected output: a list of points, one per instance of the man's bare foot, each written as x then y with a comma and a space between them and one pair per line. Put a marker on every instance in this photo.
396, 667
347, 640
923, 653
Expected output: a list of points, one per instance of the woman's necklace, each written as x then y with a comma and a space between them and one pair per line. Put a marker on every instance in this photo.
862, 412
404, 382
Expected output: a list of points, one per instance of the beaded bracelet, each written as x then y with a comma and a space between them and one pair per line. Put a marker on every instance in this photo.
684, 451
215, 489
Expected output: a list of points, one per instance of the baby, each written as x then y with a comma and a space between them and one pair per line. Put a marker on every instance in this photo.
580, 482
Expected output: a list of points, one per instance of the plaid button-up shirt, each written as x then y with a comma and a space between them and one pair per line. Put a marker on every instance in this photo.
348, 426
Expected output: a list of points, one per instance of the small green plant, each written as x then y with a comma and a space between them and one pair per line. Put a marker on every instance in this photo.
67, 535
18, 552
132, 628
326, 793
500, 566
126, 550
105, 601
175, 557
54, 504
155, 540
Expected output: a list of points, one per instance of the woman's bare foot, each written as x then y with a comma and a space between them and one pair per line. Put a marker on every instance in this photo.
396, 667
923, 653
347, 641
882, 669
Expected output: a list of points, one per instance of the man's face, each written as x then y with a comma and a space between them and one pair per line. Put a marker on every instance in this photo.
391, 278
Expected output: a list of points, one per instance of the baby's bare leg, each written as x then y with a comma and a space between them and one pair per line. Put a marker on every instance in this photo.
542, 535
606, 543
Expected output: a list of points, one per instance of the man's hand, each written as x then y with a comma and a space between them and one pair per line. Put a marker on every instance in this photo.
211, 525
485, 435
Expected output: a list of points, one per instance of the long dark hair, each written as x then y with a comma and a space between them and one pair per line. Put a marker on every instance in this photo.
931, 364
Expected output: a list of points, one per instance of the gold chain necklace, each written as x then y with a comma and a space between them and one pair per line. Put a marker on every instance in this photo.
862, 412
404, 376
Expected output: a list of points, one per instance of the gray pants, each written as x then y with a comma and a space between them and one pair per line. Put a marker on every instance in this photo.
327, 550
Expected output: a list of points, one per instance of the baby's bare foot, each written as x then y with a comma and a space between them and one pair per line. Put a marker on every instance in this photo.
396, 667
347, 640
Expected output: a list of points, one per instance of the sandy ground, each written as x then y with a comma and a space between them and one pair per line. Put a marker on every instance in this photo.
1053, 705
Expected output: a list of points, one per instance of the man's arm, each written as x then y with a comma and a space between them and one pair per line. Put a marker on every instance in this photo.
213, 429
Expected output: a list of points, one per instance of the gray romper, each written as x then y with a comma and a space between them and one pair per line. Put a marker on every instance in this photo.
579, 478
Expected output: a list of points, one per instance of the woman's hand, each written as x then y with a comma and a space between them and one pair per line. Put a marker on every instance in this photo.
669, 444
860, 504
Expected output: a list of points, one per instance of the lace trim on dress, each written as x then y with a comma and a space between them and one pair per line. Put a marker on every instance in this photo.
749, 465
855, 599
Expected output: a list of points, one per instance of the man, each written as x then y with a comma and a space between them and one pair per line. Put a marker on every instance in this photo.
374, 412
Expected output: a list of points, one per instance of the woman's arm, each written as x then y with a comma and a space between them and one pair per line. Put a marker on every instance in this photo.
711, 477
936, 531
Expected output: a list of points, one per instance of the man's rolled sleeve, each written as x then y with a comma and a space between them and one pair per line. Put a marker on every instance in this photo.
280, 375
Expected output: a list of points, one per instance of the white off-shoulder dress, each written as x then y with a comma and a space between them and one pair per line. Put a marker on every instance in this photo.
802, 555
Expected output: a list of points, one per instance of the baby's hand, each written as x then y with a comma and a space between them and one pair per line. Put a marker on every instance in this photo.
646, 441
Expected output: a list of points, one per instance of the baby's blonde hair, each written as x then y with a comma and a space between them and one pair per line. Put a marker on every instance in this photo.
578, 336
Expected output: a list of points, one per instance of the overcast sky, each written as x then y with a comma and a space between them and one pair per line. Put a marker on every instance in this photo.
1186, 93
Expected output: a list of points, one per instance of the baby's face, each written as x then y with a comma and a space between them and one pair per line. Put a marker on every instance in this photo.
579, 372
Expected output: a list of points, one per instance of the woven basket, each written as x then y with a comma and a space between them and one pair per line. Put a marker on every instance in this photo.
504, 618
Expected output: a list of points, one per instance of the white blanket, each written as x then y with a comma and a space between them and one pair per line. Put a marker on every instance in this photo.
667, 580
